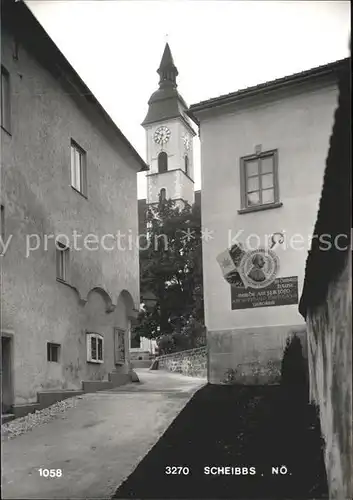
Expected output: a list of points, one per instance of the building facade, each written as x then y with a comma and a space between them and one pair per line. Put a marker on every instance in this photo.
70, 270
268, 145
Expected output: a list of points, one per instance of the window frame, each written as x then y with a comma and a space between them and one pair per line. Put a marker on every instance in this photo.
245, 207
5, 101
82, 189
97, 337
62, 253
50, 346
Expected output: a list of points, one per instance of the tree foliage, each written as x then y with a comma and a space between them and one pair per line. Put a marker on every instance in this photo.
171, 276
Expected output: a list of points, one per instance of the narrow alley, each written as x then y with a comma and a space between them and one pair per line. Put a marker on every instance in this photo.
172, 436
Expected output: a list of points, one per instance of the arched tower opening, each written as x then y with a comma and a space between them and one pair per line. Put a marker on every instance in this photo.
162, 162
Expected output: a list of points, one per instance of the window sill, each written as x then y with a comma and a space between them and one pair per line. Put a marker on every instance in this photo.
79, 192
5, 130
259, 208
95, 361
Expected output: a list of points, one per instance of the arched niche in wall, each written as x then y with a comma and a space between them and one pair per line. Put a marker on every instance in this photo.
109, 306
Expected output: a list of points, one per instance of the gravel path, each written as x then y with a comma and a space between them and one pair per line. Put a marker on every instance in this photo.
96, 442
25, 424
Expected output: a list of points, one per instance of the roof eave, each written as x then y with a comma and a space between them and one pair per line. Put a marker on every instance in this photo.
193, 117
146, 123
272, 86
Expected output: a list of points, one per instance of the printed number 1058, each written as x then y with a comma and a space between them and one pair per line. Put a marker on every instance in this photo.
50, 472
174, 470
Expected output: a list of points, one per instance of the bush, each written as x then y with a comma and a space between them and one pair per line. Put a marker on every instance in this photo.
294, 370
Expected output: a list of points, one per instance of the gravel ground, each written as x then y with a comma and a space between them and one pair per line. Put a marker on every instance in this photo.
24, 424
97, 443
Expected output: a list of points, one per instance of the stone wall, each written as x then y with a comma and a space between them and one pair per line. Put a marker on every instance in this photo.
330, 367
326, 304
192, 362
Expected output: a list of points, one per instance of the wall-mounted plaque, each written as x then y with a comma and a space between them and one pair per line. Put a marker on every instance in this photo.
281, 292
119, 345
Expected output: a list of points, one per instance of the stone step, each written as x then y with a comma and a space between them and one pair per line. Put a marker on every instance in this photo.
7, 417
141, 363
24, 409
48, 398
114, 380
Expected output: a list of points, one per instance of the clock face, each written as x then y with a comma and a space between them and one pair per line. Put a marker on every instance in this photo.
186, 140
162, 135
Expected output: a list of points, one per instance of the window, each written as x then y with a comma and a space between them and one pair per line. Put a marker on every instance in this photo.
2, 224
135, 341
3, 242
162, 162
5, 99
78, 169
259, 180
53, 351
186, 160
162, 194
95, 351
62, 262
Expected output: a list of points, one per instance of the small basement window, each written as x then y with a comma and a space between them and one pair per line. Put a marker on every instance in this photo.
53, 351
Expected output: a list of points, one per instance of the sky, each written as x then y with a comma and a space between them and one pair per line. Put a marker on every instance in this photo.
218, 47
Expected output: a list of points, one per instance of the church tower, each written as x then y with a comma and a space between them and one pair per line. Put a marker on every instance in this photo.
169, 139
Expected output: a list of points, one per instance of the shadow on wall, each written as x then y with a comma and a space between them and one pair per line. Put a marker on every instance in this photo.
326, 303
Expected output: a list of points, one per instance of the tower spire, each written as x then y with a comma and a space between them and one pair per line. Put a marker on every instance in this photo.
167, 69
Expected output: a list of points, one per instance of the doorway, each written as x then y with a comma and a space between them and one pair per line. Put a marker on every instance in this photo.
6, 374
